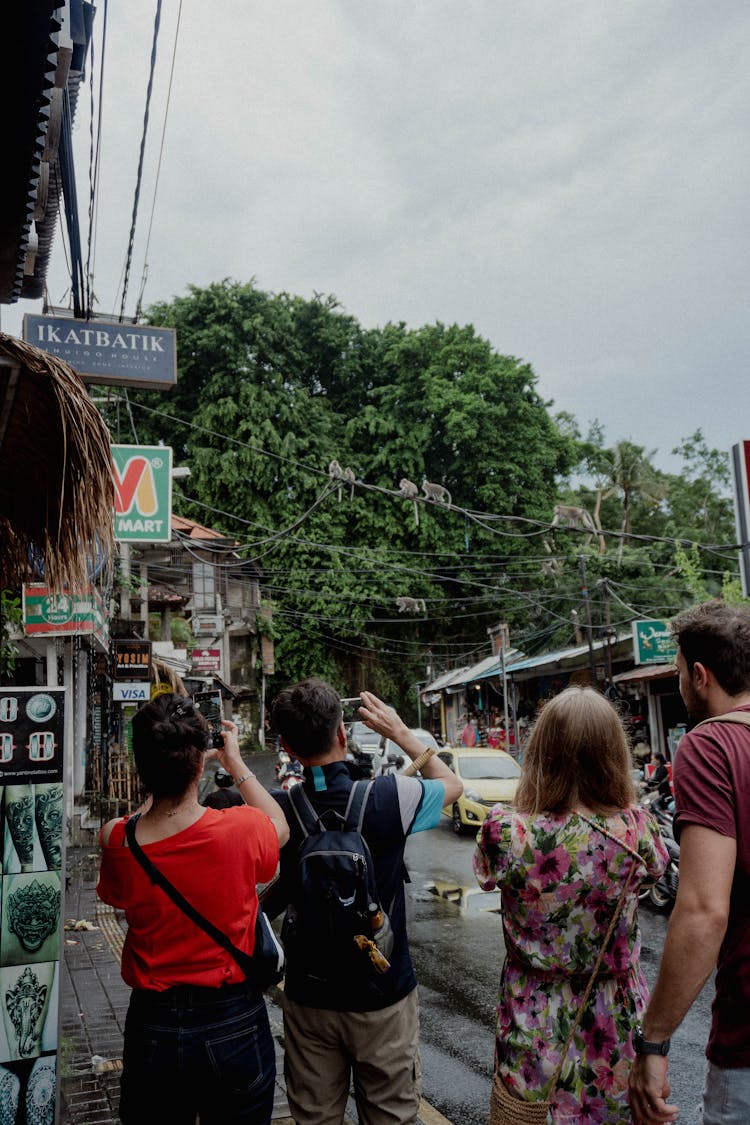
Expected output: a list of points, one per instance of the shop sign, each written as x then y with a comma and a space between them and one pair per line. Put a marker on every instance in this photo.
49, 613
130, 693
207, 625
32, 725
267, 656
740, 460
131, 660
653, 643
143, 493
206, 659
102, 351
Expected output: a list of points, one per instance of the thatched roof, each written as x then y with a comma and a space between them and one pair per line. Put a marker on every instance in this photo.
56, 488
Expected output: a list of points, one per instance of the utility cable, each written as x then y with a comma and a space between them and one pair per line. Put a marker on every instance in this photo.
139, 302
94, 163
139, 177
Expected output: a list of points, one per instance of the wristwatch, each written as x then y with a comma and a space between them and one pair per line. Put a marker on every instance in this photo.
643, 1046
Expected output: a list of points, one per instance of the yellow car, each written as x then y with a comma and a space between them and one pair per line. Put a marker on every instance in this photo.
489, 776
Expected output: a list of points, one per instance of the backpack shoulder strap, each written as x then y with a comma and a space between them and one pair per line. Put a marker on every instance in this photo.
354, 816
308, 819
742, 717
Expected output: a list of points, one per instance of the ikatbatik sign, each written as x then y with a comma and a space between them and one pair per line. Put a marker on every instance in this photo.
32, 722
103, 351
143, 493
51, 613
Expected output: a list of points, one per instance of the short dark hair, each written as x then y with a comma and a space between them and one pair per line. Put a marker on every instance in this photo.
169, 739
307, 716
717, 635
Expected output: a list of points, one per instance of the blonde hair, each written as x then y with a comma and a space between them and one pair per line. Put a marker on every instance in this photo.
577, 753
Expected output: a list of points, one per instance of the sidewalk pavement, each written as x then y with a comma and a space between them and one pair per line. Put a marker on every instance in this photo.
94, 1000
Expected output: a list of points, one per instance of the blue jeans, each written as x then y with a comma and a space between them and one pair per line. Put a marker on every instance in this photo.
206, 1051
726, 1099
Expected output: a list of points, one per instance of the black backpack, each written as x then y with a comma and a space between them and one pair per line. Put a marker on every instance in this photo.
335, 926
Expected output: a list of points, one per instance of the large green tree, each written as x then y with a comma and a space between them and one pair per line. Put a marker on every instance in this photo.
273, 387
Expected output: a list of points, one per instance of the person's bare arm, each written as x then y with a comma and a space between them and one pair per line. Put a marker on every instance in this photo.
386, 721
696, 931
251, 790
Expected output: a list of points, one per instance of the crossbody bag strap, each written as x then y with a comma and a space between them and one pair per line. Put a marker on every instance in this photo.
244, 960
550, 1088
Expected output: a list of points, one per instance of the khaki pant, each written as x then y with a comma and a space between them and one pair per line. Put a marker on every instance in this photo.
381, 1050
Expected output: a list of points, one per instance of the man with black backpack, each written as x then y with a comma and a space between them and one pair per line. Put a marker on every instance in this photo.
350, 1000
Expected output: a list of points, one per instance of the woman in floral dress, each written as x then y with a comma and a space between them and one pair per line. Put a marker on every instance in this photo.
561, 859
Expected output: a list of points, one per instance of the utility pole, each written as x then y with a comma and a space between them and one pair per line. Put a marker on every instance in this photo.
607, 629
587, 604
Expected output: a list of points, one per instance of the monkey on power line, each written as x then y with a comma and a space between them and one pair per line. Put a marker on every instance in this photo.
411, 605
408, 489
573, 517
438, 493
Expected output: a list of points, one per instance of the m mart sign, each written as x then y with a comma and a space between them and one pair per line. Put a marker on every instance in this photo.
143, 493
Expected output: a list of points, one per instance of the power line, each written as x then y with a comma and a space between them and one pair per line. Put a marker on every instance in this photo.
139, 302
139, 176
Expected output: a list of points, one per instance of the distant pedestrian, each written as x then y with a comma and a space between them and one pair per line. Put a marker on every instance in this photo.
566, 860
469, 735
225, 795
197, 1038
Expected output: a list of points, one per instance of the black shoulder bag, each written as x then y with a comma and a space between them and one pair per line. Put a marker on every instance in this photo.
262, 968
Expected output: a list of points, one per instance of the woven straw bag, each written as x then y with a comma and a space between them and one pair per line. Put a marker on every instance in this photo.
506, 1108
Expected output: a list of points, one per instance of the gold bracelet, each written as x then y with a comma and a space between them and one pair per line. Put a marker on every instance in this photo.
245, 777
419, 762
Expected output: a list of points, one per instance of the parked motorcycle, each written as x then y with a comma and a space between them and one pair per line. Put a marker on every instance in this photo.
359, 762
663, 893
288, 771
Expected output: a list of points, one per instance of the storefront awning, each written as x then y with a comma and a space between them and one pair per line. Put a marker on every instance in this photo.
646, 672
56, 486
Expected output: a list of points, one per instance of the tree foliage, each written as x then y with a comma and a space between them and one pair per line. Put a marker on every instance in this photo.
273, 387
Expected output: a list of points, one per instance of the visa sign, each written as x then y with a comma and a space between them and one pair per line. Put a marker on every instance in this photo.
143, 493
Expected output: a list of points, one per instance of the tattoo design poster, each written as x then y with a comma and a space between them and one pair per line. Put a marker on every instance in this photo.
31, 842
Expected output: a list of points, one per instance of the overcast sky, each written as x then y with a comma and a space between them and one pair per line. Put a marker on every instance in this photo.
570, 178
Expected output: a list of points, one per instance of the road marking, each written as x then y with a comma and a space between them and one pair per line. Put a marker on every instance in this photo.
430, 1115
110, 928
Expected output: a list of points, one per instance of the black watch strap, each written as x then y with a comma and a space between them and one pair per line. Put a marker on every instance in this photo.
643, 1046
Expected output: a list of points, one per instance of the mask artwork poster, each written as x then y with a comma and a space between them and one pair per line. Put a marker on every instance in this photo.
32, 724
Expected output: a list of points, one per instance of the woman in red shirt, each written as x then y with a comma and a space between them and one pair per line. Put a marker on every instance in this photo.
197, 1038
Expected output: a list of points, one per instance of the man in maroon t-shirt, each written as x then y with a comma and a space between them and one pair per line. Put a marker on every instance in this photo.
710, 924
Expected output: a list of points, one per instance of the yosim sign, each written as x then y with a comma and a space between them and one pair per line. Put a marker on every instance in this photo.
143, 493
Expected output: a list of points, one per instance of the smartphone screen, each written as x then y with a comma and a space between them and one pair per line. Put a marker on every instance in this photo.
209, 705
350, 709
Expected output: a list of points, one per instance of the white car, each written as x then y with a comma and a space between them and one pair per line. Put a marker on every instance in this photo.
392, 755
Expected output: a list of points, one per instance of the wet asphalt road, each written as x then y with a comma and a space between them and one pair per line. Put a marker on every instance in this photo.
457, 949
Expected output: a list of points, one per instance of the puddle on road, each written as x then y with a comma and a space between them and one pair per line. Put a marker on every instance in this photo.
469, 900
